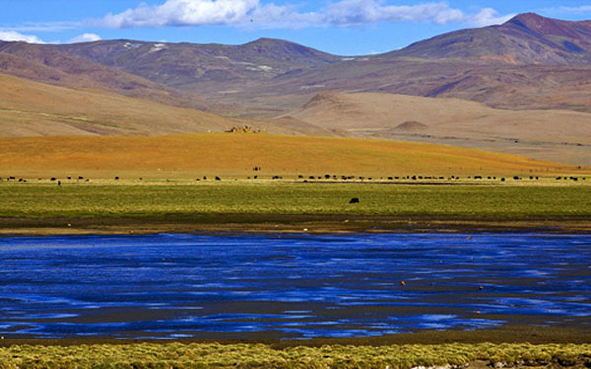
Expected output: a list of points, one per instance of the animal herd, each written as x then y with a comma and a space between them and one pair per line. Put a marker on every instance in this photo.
334, 177
51, 179
327, 177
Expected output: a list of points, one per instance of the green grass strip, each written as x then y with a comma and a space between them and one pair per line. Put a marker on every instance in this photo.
159, 201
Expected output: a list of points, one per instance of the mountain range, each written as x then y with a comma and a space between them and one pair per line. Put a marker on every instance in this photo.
528, 63
525, 39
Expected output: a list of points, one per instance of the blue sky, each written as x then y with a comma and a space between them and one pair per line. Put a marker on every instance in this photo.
345, 27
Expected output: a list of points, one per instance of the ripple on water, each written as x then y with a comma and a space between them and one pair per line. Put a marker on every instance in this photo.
173, 286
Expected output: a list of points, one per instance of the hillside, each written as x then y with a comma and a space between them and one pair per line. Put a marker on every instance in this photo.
30, 108
187, 66
48, 64
525, 39
236, 155
549, 135
496, 84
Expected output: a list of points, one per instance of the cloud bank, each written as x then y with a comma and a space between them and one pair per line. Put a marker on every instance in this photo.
342, 13
12, 36
488, 17
567, 9
353, 12
17, 36
86, 37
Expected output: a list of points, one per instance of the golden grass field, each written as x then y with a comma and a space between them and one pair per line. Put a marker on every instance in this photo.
235, 155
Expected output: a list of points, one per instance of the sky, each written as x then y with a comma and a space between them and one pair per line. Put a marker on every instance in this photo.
342, 27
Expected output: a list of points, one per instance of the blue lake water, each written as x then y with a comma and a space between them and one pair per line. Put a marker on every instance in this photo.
298, 286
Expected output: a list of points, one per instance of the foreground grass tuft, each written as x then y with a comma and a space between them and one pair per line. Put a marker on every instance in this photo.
178, 355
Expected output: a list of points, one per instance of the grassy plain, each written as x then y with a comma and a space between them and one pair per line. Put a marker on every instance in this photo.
214, 355
289, 205
31, 200
161, 185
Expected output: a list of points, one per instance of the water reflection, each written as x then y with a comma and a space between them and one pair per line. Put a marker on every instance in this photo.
172, 286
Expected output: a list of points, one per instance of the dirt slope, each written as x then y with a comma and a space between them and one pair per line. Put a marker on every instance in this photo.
544, 134
35, 109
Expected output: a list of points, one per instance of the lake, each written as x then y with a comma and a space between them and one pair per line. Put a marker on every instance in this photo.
289, 286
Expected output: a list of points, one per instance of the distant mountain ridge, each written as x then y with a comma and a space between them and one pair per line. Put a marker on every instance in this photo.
525, 39
183, 65
50, 64
497, 65
528, 62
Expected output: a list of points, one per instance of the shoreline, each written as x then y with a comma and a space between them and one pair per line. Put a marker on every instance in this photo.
290, 224
537, 335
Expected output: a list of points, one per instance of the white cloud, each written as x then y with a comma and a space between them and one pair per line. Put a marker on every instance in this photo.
184, 12
281, 16
351, 12
269, 15
86, 37
488, 17
17, 36
567, 9
46, 26
11, 35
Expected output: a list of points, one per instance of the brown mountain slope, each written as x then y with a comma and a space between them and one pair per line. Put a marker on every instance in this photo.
525, 39
46, 63
30, 108
188, 66
499, 85
549, 135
